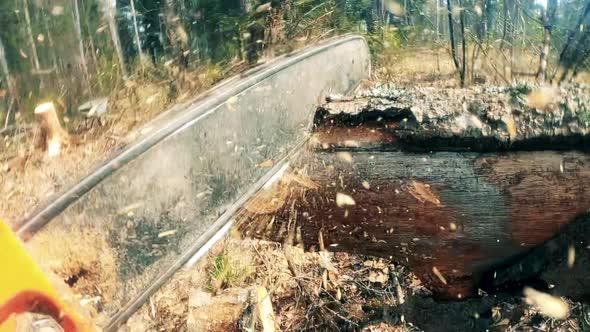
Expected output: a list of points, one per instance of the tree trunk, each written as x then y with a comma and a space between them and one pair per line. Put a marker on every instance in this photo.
513, 31
548, 20
463, 47
114, 32
505, 24
4, 67
51, 44
83, 64
452, 36
572, 45
463, 212
437, 13
490, 14
34, 56
136, 33
177, 34
9, 82
93, 54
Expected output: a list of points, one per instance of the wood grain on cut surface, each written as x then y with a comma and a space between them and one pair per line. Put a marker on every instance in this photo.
459, 212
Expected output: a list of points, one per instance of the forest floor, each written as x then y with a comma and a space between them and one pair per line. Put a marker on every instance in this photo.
308, 290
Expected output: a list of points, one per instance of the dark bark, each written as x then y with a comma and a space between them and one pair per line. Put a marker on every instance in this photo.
452, 35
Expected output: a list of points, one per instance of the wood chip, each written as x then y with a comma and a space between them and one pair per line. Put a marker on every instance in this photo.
439, 275
266, 164
345, 156
548, 305
301, 179
167, 233
571, 256
423, 193
344, 200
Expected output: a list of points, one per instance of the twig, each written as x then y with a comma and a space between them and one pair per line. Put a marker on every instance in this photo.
395, 283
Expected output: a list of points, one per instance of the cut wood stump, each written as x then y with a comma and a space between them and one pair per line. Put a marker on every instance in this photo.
52, 136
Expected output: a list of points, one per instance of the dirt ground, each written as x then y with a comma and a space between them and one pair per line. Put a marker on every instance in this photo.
309, 290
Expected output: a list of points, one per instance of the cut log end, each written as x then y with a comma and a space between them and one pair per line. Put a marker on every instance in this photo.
53, 136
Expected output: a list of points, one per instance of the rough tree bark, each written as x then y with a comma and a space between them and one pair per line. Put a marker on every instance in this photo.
548, 19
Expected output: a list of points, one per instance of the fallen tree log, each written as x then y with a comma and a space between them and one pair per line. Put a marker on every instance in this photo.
475, 119
459, 214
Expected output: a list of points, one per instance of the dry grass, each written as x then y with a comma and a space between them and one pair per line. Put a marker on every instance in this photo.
434, 67
416, 66
79, 261
232, 266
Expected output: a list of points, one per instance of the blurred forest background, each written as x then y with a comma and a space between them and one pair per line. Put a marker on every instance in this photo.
70, 51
